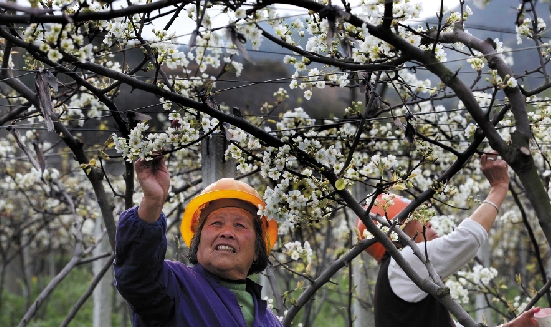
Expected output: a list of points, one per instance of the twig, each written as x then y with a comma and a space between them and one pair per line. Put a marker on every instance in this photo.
88, 260
539, 294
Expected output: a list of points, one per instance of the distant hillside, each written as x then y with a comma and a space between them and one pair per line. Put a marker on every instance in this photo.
497, 20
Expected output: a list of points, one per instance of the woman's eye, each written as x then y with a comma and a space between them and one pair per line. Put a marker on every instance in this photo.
240, 225
217, 223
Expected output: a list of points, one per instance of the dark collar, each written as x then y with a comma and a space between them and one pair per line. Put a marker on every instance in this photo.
252, 287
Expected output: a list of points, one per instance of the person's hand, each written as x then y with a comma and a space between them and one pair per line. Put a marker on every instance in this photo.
154, 179
526, 319
495, 169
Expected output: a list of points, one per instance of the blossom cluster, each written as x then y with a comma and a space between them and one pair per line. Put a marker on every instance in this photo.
526, 29
477, 62
385, 229
313, 80
289, 207
46, 200
95, 109
142, 145
296, 251
457, 291
341, 229
6, 150
477, 279
520, 304
365, 49
480, 276
495, 79
34, 176
46, 38
270, 302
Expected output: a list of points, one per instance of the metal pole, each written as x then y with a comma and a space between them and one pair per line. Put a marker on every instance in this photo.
213, 162
102, 293
363, 268
483, 313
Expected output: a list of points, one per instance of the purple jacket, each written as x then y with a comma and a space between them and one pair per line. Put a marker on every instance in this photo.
168, 293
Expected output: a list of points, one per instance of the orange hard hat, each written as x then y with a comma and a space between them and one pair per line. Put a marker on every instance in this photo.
377, 250
226, 188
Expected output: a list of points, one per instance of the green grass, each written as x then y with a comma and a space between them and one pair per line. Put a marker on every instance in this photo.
54, 310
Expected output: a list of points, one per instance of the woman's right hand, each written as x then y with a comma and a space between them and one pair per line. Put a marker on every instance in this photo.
154, 179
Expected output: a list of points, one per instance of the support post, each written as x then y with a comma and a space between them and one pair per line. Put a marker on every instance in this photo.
483, 312
363, 268
103, 292
213, 162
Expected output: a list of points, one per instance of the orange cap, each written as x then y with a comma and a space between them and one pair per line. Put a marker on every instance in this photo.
226, 188
377, 250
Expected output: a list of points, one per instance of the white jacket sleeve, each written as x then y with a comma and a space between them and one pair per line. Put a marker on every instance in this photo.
447, 254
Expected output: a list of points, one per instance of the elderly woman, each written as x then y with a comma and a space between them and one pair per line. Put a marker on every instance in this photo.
228, 241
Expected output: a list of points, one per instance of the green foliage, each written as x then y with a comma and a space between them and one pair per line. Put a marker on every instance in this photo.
12, 308
54, 310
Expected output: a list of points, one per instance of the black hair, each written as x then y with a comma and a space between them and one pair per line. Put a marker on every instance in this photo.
258, 265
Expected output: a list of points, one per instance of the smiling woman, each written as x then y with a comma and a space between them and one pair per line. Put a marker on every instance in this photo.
228, 241
225, 244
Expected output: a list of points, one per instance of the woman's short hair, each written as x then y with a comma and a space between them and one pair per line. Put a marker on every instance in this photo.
258, 265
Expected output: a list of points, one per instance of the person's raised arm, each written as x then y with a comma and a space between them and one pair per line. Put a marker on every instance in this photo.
154, 179
496, 171
141, 246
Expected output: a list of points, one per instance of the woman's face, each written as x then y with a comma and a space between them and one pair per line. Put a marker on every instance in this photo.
414, 227
227, 243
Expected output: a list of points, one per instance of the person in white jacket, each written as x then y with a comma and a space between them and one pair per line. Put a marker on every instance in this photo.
399, 301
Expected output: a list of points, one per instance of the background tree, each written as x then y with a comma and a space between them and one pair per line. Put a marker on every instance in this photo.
88, 87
